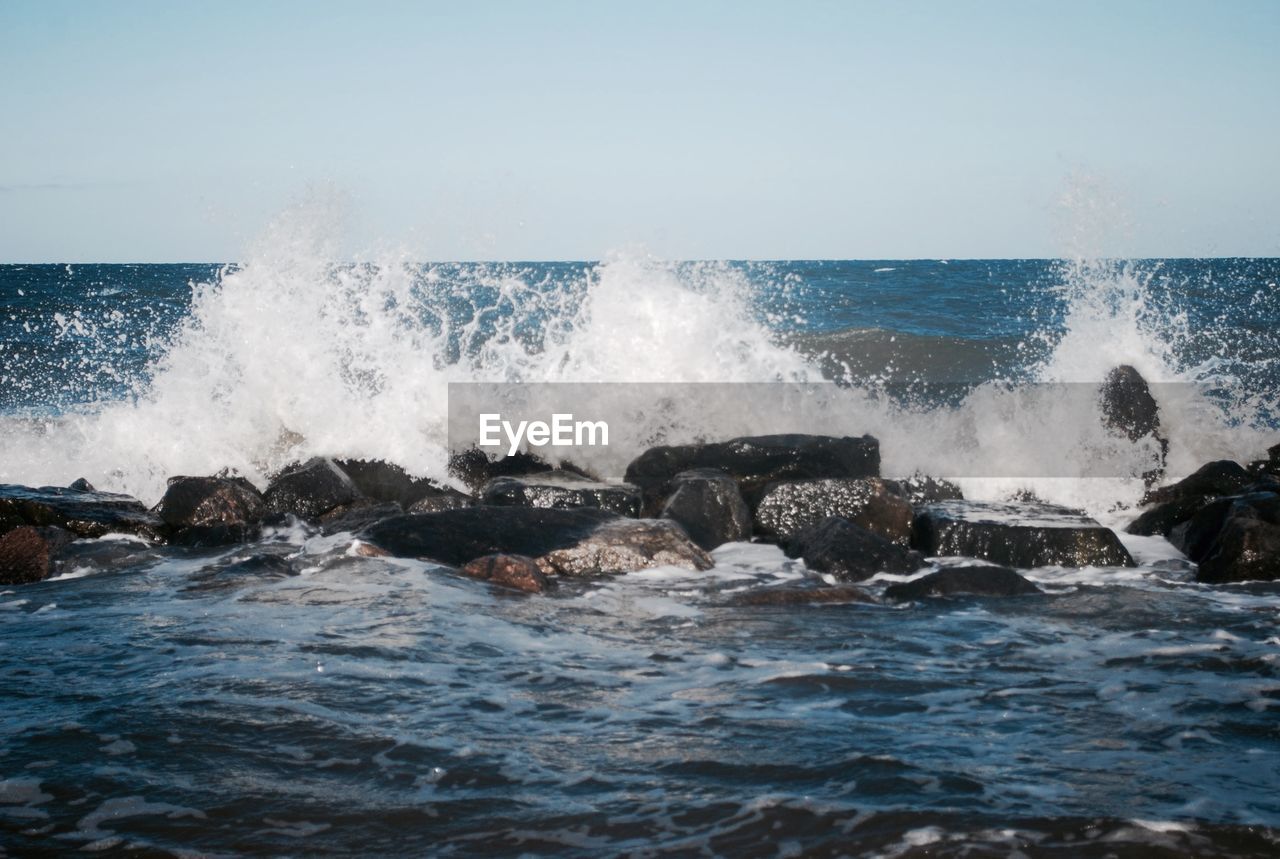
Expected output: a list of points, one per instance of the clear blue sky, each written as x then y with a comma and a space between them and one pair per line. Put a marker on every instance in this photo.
166, 131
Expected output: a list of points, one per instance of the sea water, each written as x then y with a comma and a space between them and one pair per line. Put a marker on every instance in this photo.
292, 697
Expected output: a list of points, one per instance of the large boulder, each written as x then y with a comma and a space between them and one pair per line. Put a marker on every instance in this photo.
311, 489
788, 507
576, 542
1221, 477
561, 489
209, 511
755, 461
1017, 535
27, 554
83, 512
387, 482
1129, 410
850, 552
709, 506
977, 580
1234, 539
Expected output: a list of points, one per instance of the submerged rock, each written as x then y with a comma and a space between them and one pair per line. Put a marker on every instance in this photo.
83, 512
359, 514
27, 554
575, 542
1017, 535
708, 505
311, 489
791, 596
209, 511
979, 580
850, 552
788, 507
509, 571
563, 490
755, 461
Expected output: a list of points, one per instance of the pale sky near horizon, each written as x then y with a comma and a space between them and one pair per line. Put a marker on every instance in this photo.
156, 132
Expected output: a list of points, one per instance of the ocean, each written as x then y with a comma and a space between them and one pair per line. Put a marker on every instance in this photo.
291, 697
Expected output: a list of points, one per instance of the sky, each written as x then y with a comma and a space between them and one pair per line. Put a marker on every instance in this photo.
174, 131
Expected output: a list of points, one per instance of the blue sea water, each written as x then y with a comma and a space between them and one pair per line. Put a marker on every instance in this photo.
289, 697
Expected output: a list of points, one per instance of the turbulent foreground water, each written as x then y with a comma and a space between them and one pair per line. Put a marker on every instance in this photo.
291, 697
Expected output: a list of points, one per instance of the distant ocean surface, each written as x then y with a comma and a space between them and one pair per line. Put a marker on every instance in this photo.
288, 697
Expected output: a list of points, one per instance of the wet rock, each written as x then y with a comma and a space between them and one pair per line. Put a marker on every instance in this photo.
979, 580
577, 542
793, 596
1017, 535
310, 490
356, 515
1163, 518
755, 461
27, 554
239, 572
509, 571
1235, 539
387, 482
1269, 466
1129, 410
1222, 477
85, 513
850, 552
786, 508
211, 511
561, 490
474, 467
447, 499
708, 505
921, 489
81, 485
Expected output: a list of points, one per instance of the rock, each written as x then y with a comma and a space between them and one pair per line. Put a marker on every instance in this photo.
81, 485
474, 467
850, 552
356, 515
562, 490
1017, 535
1222, 477
448, 499
979, 580
509, 571
1269, 466
708, 505
85, 513
920, 489
310, 490
792, 596
755, 461
210, 511
1235, 539
389, 483
1129, 410
576, 542
27, 554
786, 508
1164, 518
239, 572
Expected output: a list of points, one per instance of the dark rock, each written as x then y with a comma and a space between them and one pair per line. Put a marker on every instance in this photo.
755, 461
1018, 535
211, 511
791, 596
708, 505
82, 485
921, 489
238, 572
850, 552
1222, 477
387, 482
1163, 518
474, 467
1127, 405
562, 490
310, 490
786, 508
1269, 466
85, 513
509, 571
577, 542
356, 515
1235, 539
27, 554
979, 580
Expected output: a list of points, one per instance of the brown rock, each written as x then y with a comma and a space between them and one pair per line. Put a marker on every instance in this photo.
509, 571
